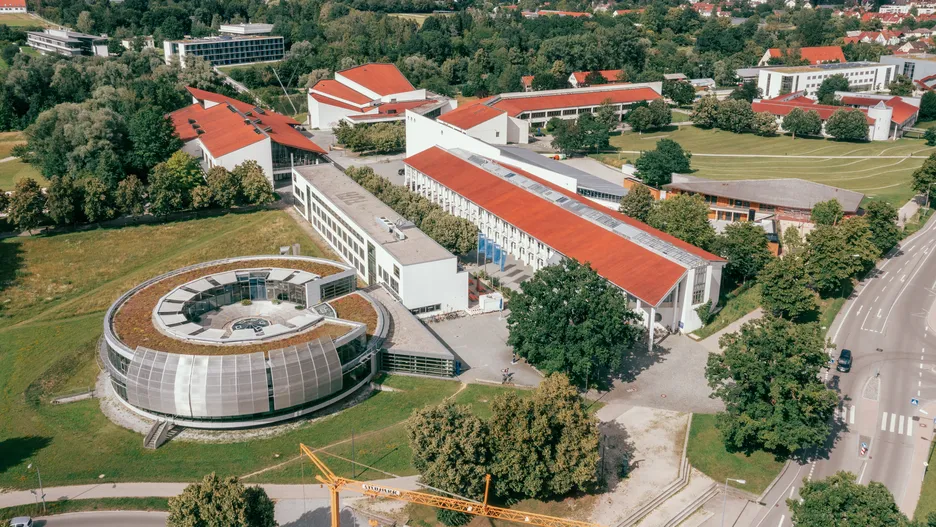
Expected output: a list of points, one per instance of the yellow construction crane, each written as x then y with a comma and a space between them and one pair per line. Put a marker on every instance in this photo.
336, 484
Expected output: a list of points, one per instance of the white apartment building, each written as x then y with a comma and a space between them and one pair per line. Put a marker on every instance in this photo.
384, 247
539, 223
67, 43
230, 48
862, 77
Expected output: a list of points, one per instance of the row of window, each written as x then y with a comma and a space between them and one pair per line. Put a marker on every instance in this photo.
566, 112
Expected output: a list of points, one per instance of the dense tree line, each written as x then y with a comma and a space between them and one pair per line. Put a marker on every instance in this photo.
457, 235
376, 138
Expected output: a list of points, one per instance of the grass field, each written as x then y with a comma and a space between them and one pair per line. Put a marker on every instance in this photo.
706, 452
927, 503
100, 504
419, 18
21, 20
53, 292
14, 170
738, 303
887, 179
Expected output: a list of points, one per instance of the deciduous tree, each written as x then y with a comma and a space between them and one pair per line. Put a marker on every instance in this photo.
901, 86
637, 203
765, 124
930, 134
882, 220
661, 112
840, 500
848, 125
255, 187
450, 450
744, 245
97, 202
799, 122
568, 319
26, 205
640, 119
680, 92
928, 106
656, 167
735, 115
225, 187
705, 114
62, 202
826, 92
747, 91
827, 212
685, 217
220, 502
768, 378
925, 176
543, 445
171, 183
130, 197
153, 137
785, 287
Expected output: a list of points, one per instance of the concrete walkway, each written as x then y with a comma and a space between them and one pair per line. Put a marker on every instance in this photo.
909, 209
166, 490
711, 343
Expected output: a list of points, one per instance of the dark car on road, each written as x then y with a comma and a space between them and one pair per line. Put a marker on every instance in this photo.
844, 361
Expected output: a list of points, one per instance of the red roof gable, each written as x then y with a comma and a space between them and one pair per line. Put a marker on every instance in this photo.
817, 54
526, 81
471, 115
783, 108
336, 90
609, 75
641, 272
334, 102
12, 3
383, 79
902, 111
514, 106
223, 135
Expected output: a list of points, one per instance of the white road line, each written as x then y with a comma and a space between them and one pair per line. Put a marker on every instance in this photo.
861, 475
921, 367
879, 313
782, 517
884, 275
884, 421
865, 319
857, 313
792, 489
900, 427
876, 299
892, 279
903, 278
893, 421
911, 247
909, 427
851, 416
904, 288
919, 383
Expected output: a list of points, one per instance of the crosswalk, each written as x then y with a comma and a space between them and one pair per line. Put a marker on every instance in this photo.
845, 413
898, 424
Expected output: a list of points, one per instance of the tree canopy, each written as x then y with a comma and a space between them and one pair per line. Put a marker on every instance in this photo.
637, 203
840, 500
656, 167
826, 92
768, 377
568, 319
744, 245
784, 287
220, 502
685, 217
848, 125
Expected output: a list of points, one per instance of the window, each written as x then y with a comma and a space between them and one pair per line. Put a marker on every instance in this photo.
698, 286
711, 200
426, 309
908, 69
396, 271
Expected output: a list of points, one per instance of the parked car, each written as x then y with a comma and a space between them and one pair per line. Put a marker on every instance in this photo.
844, 361
21, 521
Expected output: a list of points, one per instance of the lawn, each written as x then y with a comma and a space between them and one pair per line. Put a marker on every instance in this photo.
887, 179
100, 504
927, 503
737, 303
679, 117
706, 452
419, 18
21, 20
14, 170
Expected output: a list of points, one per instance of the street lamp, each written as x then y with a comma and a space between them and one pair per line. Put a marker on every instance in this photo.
725, 499
42, 494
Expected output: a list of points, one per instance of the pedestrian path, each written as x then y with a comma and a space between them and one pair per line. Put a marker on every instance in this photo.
845, 413
898, 424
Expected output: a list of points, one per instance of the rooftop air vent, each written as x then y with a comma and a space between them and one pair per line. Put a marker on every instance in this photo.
259, 110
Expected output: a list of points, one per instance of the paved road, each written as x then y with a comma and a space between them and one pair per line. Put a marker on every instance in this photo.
105, 519
885, 324
694, 154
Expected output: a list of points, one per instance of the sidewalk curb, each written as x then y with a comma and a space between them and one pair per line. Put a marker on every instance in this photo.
773, 483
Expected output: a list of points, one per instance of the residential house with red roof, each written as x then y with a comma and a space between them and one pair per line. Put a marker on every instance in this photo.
888, 19
508, 117
536, 210
815, 55
12, 6
578, 78
222, 131
884, 38
887, 116
370, 93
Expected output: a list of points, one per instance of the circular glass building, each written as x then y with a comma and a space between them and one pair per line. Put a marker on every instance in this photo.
242, 342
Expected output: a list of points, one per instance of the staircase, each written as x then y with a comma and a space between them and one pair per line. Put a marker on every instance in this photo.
158, 434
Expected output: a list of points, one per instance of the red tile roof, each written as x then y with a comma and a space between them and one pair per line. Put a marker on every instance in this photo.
526, 81
514, 106
225, 131
574, 14
902, 111
609, 75
817, 54
470, 115
336, 90
12, 3
783, 108
641, 272
383, 79
334, 102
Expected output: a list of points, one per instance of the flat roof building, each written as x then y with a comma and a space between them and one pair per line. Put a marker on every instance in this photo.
382, 246
918, 67
370, 93
227, 49
539, 223
246, 29
862, 76
67, 43
226, 132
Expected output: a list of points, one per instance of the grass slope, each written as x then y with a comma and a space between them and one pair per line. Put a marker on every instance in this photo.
21, 20
79, 505
706, 452
887, 179
14, 170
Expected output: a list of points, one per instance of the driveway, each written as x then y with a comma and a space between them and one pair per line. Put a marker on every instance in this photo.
480, 342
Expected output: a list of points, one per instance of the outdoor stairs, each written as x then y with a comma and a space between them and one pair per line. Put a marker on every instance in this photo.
158, 434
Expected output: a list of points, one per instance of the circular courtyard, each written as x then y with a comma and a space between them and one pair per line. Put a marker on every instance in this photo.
243, 341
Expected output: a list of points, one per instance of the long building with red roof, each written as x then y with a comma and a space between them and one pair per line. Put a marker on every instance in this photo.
12, 6
538, 213
226, 132
370, 93
815, 55
508, 117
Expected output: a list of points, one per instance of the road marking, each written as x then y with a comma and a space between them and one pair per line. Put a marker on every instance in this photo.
858, 313
900, 427
903, 278
782, 517
851, 416
884, 421
876, 299
861, 475
919, 383
893, 421
909, 427
911, 247
884, 275
792, 489
892, 279
921, 367
904, 288
879, 313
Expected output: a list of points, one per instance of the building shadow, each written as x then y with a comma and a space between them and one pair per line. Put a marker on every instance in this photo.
638, 357
321, 517
617, 455
16, 450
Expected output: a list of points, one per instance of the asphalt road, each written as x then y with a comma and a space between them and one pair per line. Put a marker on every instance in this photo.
885, 325
104, 519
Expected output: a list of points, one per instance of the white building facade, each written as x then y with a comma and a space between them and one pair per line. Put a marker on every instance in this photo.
861, 76
378, 243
